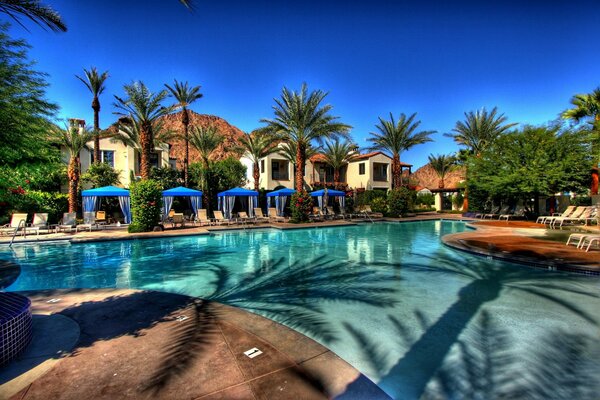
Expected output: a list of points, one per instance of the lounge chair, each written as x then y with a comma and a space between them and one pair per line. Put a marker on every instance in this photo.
590, 240
202, 218
316, 215
332, 214
243, 218
101, 218
548, 218
220, 219
581, 213
273, 217
40, 222
259, 216
370, 213
89, 221
178, 219
500, 211
17, 221
518, 213
493, 210
68, 221
577, 239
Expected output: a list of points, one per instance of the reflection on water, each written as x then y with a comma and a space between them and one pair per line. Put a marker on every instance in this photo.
418, 318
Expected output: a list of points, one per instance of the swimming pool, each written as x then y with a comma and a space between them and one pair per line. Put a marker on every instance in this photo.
418, 318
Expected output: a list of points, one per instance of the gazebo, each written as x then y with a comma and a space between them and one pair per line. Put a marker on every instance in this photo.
195, 197
324, 194
280, 197
90, 199
227, 200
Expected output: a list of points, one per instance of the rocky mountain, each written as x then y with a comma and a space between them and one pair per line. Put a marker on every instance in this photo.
426, 177
230, 132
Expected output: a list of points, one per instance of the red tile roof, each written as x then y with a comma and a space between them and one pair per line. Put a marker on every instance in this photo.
321, 158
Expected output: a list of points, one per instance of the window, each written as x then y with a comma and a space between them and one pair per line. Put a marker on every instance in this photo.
262, 165
280, 170
380, 172
361, 168
106, 156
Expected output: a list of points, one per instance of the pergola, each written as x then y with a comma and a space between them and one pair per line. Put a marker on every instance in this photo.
280, 197
90, 199
227, 200
195, 197
324, 194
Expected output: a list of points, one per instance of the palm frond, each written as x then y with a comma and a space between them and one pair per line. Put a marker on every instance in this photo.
34, 10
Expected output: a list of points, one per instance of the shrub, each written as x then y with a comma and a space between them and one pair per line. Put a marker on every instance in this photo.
427, 199
379, 205
581, 201
55, 204
457, 200
146, 203
167, 177
400, 201
366, 197
30, 202
301, 206
100, 175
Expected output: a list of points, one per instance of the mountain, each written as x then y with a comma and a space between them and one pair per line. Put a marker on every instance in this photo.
230, 132
426, 177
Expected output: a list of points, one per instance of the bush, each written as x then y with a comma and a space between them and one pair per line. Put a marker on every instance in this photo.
427, 199
146, 204
100, 175
457, 200
55, 204
167, 177
400, 201
367, 197
301, 206
581, 201
30, 202
379, 205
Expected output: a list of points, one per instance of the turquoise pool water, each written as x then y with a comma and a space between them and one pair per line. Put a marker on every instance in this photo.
420, 319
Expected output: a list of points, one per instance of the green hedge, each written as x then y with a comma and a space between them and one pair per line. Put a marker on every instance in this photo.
400, 201
32, 201
146, 203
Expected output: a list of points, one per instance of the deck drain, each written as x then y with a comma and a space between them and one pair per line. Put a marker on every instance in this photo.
253, 352
53, 301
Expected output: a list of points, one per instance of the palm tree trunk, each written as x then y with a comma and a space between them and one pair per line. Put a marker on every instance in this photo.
73, 175
185, 119
256, 175
300, 159
146, 145
411, 374
396, 172
96, 108
336, 177
594, 188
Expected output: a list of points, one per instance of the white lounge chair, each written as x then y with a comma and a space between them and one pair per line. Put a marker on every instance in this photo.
17, 221
259, 216
68, 221
202, 218
273, 217
178, 219
40, 222
546, 219
243, 218
581, 213
89, 221
220, 219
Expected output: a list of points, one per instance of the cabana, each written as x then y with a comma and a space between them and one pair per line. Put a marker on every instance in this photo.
90, 199
280, 197
324, 194
227, 200
195, 197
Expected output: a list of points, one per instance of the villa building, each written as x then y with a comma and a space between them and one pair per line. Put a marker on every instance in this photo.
369, 171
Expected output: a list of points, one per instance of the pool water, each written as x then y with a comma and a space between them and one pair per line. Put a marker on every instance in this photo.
418, 318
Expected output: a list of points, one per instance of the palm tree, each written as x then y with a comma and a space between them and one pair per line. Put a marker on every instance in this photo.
184, 95
479, 130
74, 139
144, 109
588, 106
442, 165
95, 84
206, 139
300, 119
35, 11
337, 154
397, 137
256, 146
130, 133
289, 152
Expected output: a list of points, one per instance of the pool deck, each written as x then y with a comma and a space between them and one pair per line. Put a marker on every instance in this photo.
109, 344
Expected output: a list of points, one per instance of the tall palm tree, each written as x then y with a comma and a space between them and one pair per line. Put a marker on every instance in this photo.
74, 139
480, 129
397, 137
442, 165
129, 133
144, 108
477, 132
256, 146
206, 139
289, 151
588, 106
300, 119
336, 154
184, 95
95, 84
34, 10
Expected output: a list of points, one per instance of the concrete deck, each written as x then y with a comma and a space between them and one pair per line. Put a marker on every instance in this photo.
109, 344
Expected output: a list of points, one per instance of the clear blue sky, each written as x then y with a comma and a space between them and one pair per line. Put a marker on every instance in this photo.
436, 58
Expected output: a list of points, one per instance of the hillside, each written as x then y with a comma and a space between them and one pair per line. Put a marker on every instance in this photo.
426, 177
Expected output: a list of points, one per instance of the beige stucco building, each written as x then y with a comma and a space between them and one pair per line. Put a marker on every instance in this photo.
369, 171
119, 156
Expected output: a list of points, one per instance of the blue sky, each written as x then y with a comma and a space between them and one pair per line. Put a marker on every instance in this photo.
438, 59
